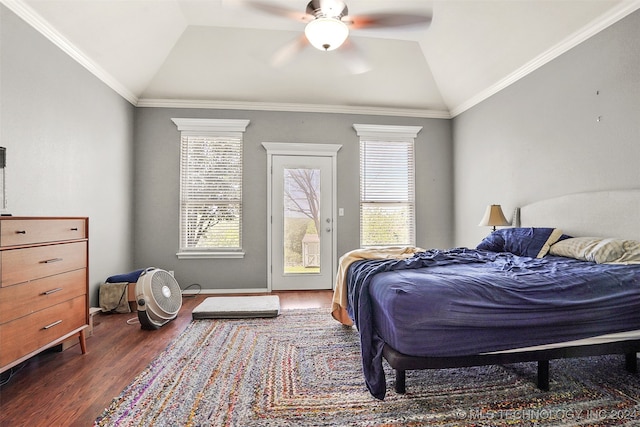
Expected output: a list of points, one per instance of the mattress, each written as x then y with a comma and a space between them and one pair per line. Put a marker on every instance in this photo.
502, 303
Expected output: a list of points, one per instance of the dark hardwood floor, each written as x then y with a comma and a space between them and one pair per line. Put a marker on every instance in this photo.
70, 389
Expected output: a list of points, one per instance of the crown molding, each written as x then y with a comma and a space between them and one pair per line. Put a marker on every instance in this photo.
32, 18
624, 9
304, 108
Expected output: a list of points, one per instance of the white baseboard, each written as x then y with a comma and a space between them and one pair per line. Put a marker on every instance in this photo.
225, 291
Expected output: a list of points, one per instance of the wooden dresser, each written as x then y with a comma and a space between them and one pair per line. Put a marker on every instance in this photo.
44, 285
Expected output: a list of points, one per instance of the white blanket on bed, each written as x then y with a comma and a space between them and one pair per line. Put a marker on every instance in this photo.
339, 303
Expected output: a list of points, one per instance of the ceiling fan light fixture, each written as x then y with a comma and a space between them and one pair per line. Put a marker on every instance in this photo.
326, 33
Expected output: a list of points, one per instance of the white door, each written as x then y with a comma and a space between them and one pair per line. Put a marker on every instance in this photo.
302, 222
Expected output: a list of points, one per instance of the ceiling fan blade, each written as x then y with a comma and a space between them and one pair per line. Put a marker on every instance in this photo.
353, 58
288, 51
277, 10
386, 20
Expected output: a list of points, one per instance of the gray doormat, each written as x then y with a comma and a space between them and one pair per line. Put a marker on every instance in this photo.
237, 307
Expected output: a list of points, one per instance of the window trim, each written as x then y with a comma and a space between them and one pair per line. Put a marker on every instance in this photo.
391, 134
214, 128
387, 132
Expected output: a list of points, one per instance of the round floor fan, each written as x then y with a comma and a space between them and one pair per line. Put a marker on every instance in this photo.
159, 298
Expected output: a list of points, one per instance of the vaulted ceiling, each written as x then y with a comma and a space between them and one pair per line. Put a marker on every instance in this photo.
217, 53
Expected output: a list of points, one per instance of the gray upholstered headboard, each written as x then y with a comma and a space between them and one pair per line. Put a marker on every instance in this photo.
613, 213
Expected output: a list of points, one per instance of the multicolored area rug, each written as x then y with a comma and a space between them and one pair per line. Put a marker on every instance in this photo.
303, 368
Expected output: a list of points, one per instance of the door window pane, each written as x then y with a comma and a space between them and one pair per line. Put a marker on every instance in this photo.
301, 221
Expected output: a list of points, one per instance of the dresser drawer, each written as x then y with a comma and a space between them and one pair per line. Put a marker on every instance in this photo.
26, 298
27, 231
22, 265
27, 334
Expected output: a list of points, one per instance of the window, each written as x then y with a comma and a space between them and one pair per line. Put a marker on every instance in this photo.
210, 188
387, 184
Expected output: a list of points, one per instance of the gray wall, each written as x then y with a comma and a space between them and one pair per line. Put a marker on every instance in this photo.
540, 137
157, 184
71, 145
69, 142
70, 148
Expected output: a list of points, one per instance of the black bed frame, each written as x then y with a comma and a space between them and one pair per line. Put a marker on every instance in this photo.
402, 363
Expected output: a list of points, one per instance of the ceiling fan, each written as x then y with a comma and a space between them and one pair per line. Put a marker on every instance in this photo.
327, 28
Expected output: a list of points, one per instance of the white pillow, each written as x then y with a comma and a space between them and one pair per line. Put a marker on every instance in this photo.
599, 250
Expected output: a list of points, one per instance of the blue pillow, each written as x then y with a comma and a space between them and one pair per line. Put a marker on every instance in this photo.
532, 242
127, 277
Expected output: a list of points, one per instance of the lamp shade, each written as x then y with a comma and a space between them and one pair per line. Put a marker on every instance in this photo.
326, 33
493, 216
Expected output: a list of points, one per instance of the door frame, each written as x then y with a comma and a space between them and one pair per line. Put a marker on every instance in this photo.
310, 150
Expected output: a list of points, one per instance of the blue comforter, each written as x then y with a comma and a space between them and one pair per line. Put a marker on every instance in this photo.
465, 301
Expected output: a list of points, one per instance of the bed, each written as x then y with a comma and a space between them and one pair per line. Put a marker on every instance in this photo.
532, 292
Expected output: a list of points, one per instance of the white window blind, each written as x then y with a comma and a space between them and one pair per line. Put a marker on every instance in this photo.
387, 187
210, 191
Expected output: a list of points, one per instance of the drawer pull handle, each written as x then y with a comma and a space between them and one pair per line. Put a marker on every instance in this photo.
21, 231
51, 325
52, 260
74, 229
52, 291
